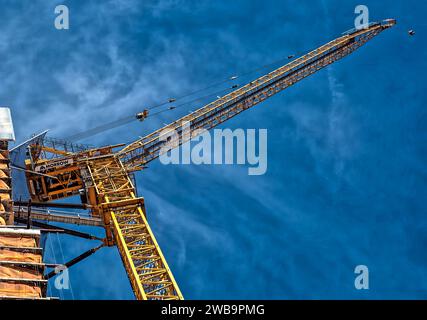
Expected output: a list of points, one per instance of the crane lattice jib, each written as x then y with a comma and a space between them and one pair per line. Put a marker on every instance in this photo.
137, 154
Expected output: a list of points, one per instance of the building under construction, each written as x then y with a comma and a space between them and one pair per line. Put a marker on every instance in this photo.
103, 179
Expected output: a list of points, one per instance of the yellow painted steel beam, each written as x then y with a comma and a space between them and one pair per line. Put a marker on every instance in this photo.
145, 264
137, 154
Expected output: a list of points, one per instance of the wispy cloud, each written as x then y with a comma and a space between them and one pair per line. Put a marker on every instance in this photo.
326, 202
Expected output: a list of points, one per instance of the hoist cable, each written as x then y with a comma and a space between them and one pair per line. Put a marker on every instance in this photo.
128, 119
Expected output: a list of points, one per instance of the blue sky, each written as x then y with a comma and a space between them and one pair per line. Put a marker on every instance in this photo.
346, 178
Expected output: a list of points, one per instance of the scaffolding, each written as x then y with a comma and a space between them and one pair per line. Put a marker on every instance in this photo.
21, 264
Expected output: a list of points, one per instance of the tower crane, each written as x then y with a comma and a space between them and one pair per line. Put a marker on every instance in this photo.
103, 177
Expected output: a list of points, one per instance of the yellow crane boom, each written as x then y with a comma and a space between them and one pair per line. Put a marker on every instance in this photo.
137, 154
102, 176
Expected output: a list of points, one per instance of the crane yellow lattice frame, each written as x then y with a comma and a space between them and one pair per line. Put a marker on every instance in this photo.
124, 215
102, 176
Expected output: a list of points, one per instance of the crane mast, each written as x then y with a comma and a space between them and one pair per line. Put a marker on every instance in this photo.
103, 176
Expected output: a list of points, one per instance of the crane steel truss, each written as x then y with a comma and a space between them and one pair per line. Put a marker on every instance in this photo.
102, 176
123, 212
139, 153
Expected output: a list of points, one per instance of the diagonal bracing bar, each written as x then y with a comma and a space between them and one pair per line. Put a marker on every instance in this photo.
124, 215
